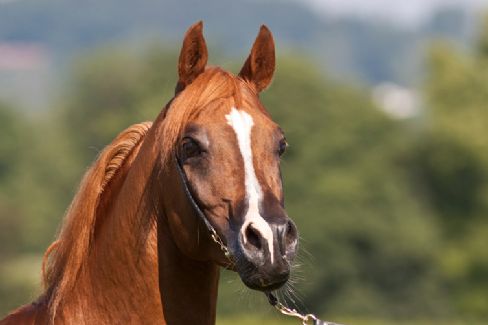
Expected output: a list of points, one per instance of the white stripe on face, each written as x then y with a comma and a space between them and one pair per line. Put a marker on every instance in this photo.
242, 124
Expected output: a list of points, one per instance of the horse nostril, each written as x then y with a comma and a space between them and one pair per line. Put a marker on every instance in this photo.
253, 237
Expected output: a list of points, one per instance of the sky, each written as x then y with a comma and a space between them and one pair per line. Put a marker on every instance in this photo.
406, 12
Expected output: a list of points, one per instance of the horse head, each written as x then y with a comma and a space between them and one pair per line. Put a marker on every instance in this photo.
221, 145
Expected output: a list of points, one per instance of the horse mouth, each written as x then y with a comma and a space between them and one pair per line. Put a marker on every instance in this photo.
261, 285
262, 278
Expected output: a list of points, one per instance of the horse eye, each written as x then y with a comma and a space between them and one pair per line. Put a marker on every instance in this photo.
190, 148
282, 147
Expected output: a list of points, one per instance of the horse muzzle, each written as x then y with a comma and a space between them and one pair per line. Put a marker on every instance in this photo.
264, 263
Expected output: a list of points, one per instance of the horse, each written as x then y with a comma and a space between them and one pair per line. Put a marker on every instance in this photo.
135, 246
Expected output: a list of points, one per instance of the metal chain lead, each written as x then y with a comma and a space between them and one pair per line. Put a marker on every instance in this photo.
293, 313
307, 319
216, 238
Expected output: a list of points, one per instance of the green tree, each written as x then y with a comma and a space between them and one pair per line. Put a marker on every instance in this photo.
452, 166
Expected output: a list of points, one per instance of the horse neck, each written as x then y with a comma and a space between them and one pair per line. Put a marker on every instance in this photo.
119, 284
188, 287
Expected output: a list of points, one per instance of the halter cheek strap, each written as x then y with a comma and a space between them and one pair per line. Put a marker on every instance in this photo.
213, 233
308, 319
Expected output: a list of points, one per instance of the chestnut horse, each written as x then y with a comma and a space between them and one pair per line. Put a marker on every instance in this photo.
133, 248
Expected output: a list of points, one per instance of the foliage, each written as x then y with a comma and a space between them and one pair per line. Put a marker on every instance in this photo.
451, 165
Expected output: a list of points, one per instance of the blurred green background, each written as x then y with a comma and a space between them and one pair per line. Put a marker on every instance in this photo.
386, 115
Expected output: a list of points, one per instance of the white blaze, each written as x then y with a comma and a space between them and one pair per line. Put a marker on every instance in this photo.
242, 124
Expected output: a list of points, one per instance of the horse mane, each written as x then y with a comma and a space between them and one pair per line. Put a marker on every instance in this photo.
65, 258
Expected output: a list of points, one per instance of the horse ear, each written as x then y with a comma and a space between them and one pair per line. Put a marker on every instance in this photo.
193, 56
260, 64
